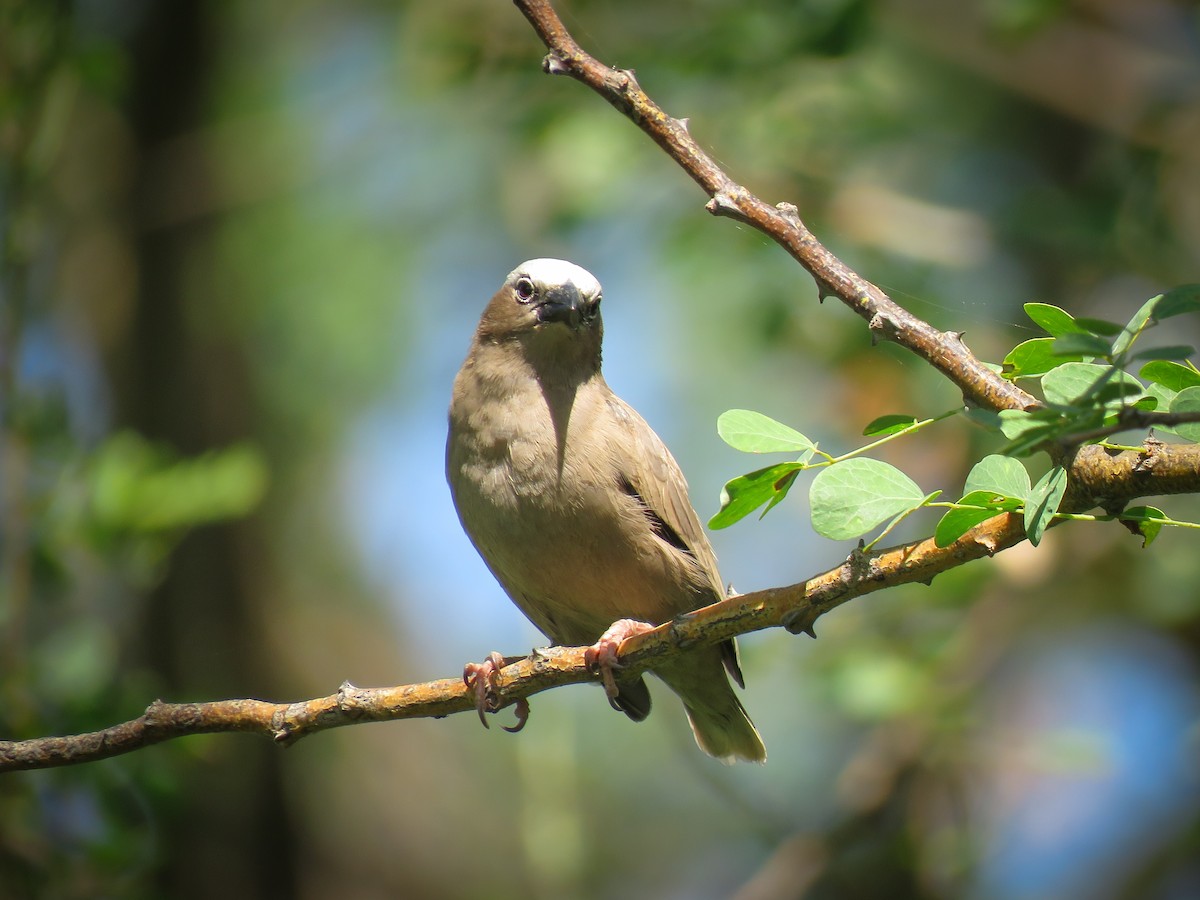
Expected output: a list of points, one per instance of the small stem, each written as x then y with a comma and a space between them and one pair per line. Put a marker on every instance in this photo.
908, 429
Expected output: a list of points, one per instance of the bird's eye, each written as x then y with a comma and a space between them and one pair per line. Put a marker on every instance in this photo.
525, 289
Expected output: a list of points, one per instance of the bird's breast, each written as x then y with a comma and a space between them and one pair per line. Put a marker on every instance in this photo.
542, 501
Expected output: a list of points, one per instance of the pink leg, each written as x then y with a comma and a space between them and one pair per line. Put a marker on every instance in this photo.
602, 655
484, 679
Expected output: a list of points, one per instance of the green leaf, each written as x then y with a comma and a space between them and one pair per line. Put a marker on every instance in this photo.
1115, 394
782, 486
746, 493
1171, 375
1043, 502
1187, 401
143, 487
1136, 325
1177, 301
1163, 398
1054, 321
1144, 518
752, 432
998, 474
1034, 357
852, 497
1102, 327
997, 503
1017, 423
886, 425
957, 522
1081, 345
975, 507
1073, 382
984, 418
1173, 351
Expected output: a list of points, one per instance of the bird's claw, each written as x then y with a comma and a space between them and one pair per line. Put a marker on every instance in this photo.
602, 655
521, 709
483, 679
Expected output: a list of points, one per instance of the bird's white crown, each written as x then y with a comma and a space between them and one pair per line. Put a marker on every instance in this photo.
557, 271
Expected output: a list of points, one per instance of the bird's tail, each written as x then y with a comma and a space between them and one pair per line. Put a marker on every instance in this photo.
719, 721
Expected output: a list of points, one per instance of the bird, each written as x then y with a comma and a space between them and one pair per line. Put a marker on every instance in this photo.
578, 508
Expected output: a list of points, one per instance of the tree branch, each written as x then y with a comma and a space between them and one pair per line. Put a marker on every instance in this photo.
796, 607
887, 320
1100, 479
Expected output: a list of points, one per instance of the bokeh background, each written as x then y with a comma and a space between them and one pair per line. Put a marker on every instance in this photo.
244, 247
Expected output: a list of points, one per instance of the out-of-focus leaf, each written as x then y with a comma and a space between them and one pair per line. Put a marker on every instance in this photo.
1176, 302
1173, 351
141, 487
877, 686
1102, 327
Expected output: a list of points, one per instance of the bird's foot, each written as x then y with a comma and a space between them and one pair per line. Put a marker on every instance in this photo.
602, 655
483, 679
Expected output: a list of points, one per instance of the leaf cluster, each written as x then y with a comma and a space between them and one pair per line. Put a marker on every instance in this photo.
1082, 369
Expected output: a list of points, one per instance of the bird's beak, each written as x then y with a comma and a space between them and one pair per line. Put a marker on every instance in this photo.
567, 304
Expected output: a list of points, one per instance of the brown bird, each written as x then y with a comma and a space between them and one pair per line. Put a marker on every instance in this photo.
576, 505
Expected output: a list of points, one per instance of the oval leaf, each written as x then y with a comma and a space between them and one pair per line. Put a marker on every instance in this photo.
1052, 319
1171, 375
752, 432
1073, 382
852, 497
957, 522
885, 425
1187, 401
1001, 475
1035, 357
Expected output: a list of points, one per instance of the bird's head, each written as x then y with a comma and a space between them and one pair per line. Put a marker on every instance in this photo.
550, 296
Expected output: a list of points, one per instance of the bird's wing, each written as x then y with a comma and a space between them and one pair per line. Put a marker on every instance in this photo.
657, 480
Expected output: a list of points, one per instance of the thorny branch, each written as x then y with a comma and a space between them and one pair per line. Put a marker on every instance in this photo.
887, 320
1098, 477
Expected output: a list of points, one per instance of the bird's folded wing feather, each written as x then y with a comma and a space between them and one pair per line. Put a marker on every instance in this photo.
657, 479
